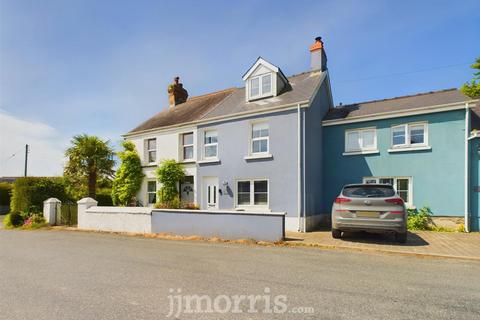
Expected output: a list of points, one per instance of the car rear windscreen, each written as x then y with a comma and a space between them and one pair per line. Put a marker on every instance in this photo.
368, 191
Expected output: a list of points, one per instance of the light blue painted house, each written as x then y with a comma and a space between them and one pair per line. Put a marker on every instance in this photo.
421, 144
279, 144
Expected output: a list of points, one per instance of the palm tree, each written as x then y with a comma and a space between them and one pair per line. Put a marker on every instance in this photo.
90, 159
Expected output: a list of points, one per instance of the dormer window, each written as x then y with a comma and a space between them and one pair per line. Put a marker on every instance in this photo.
263, 90
263, 80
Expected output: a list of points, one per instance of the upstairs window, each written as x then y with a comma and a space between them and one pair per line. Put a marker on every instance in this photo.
260, 138
151, 150
360, 140
187, 146
210, 145
409, 135
261, 86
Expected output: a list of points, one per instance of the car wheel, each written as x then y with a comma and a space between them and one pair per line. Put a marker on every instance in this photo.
401, 237
337, 234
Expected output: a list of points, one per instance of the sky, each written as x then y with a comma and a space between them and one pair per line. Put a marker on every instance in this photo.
102, 67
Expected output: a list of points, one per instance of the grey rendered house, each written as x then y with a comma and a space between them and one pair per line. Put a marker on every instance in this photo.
255, 148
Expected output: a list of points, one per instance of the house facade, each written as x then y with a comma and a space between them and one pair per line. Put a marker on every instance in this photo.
419, 144
279, 144
245, 149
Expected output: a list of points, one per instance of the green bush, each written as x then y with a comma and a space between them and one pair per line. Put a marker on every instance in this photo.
35, 221
29, 193
169, 174
419, 219
5, 193
13, 220
129, 176
104, 197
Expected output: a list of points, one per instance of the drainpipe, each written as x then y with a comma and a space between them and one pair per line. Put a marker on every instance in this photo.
299, 169
303, 175
467, 154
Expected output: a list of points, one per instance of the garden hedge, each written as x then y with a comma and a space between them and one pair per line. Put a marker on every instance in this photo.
5, 193
29, 192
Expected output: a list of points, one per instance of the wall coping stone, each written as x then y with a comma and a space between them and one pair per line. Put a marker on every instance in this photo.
218, 212
120, 210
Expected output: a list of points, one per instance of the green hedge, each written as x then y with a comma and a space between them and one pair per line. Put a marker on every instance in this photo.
30, 192
5, 193
104, 197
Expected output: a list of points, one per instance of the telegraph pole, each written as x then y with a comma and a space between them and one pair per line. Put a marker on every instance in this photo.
26, 158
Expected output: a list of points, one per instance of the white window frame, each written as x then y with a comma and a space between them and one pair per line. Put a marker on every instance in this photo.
205, 145
150, 150
149, 192
252, 194
360, 141
252, 139
376, 179
408, 128
260, 94
187, 145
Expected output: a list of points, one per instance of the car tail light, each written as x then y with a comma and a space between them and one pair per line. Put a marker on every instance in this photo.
342, 200
397, 201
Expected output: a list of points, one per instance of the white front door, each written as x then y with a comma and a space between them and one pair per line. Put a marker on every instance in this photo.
210, 193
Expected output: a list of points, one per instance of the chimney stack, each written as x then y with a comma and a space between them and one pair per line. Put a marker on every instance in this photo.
176, 93
318, 58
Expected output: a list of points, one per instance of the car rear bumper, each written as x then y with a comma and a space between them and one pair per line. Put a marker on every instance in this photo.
372, 225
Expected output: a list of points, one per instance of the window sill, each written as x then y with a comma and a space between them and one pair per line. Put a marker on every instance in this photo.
258, 156
253, 208
353, 153
151, 164
406, 149
187, 161
213, 160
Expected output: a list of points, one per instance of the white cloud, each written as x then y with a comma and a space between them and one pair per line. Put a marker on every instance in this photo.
46, 147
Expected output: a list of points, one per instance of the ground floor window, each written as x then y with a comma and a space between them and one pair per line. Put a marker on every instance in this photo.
252, 193
403, 186
152, 191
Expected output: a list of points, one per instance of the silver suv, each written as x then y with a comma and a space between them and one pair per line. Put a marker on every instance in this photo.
371, 208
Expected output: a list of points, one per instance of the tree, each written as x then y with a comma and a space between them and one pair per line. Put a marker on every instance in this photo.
472, 89
169, 173
129, 176
89, 160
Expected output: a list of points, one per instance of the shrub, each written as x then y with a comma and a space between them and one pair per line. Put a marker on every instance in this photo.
419, 219
5, 193
35, 221
129, 176
29, 192
175, 203
169, 174
13, 220
104, 197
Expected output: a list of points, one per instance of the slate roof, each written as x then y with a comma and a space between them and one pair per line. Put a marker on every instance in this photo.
232, 101
404, 103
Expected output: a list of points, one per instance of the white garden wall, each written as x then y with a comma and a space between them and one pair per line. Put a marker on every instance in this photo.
223, 224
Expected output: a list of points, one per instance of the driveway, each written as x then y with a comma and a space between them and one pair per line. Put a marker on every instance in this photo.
420, 243
76, 275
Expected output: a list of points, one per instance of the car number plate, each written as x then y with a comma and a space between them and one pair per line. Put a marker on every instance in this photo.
368, 214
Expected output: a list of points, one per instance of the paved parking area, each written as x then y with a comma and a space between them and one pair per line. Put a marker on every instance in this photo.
422, 243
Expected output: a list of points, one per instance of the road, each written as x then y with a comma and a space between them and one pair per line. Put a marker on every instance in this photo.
79, 275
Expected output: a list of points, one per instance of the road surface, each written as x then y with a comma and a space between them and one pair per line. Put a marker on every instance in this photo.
80, 275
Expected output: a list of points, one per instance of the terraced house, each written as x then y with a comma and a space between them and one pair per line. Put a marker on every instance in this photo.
279, 144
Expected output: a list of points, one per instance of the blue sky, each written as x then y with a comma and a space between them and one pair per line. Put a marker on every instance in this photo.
102, 67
